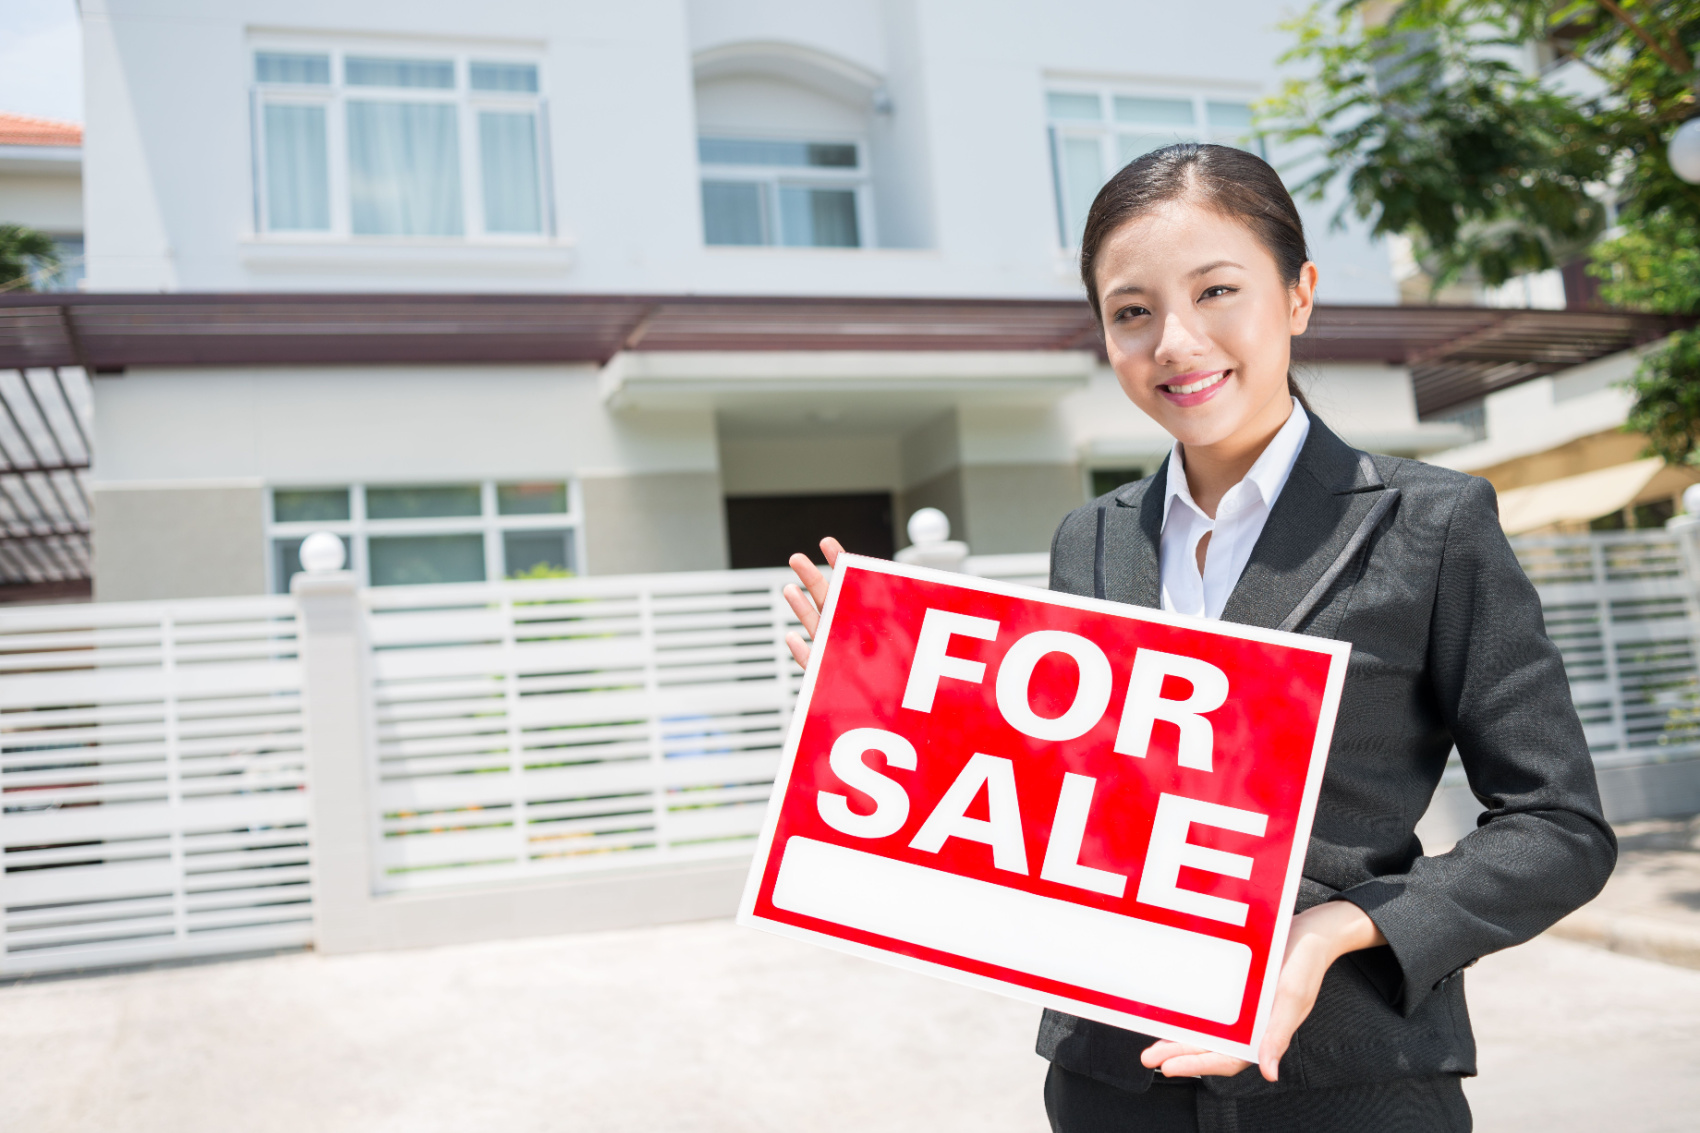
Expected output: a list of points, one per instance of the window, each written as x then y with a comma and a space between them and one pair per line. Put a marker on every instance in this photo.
1095, 132
397, 535
799, 194
372, 144
1109, 479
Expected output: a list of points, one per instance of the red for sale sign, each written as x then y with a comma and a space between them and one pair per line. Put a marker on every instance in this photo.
1095, 807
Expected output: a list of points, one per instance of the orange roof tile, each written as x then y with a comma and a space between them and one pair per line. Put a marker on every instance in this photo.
23, 130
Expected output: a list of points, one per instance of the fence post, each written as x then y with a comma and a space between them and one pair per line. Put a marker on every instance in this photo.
337, 706
1686, 529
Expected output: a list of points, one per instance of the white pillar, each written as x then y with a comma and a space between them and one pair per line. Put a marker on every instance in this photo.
337, 699
349, 914
930, 544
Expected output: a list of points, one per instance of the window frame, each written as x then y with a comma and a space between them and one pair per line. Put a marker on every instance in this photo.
334, 98
772, 178
1107, 131
357, 529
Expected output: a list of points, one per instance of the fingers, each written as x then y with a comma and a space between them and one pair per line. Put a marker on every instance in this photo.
1302, 970
1154, 1055
1177, 1060
811, 577
803, 608
1206, 1065
1289, 1011
799, 647
807, 606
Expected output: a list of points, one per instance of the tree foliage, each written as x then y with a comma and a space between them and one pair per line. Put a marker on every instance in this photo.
1667, 399
24, 255
1510, 136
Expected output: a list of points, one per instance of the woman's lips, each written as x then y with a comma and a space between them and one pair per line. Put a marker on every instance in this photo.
1195, 388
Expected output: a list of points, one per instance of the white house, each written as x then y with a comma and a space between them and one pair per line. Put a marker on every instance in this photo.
821, 254
41, 186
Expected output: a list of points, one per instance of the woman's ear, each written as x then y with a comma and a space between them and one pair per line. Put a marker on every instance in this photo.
1303, 299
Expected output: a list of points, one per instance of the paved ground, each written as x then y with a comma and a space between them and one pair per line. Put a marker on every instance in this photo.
707, 1028
1651, 905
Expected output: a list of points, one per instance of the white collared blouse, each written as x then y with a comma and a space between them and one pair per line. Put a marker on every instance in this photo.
1239, 521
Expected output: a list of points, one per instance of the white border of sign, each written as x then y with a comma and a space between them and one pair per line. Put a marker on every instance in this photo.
1338, 653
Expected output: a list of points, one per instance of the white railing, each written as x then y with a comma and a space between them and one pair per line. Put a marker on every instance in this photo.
1621, 609
152, 782
575, 725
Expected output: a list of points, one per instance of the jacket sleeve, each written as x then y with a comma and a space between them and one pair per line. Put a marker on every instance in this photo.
1542, 848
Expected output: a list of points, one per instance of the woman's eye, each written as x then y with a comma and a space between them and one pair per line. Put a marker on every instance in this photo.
1131, 313
1219, 289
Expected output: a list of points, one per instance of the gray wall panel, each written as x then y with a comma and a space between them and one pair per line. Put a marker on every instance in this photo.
642, 524
152, 543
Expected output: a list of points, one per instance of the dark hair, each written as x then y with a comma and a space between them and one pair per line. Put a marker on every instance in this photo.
1231, 181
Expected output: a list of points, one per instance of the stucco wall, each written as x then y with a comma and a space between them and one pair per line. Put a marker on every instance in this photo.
178, 542
334, 424
640, 524
50, 202
1014, 508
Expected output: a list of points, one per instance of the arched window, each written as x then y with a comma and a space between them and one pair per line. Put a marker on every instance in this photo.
783, 148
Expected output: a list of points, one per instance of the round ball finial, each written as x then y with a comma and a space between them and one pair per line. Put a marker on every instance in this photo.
1684, 151
322, 552
929, 525
1691, 499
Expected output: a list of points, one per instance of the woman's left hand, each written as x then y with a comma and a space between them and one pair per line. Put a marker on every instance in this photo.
1319, 936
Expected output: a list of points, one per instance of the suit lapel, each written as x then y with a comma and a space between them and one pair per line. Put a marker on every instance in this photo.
1326, 499
1127, 548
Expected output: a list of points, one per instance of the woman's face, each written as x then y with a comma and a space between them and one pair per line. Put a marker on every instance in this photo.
1198, 323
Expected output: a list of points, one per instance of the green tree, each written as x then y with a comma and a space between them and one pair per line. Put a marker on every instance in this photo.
1443, 125
25, 255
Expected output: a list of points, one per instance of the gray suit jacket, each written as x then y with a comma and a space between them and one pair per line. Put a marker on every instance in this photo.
1408, 563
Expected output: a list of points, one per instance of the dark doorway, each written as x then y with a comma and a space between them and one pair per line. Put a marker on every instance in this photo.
765, 531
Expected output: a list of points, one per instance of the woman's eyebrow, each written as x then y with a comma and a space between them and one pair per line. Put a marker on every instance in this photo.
1136, 289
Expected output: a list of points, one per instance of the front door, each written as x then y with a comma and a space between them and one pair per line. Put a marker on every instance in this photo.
765, 531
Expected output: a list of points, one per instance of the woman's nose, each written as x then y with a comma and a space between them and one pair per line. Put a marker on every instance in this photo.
1178, 342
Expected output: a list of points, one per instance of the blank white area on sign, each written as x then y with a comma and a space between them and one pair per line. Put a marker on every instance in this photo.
1154, 964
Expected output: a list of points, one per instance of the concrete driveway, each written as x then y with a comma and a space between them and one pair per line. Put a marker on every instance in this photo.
705, 1028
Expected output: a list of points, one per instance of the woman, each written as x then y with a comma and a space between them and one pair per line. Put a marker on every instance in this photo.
1194, 261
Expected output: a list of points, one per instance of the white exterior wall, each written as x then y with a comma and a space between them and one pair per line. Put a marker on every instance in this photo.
300, 426
183, 459
960, 165
1548, 412
44, 193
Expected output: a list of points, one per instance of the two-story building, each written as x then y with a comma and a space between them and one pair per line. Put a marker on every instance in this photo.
662, 285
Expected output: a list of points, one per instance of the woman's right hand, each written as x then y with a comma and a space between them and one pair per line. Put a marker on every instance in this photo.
807, 599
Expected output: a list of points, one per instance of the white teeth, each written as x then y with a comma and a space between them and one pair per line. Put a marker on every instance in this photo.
1203, 383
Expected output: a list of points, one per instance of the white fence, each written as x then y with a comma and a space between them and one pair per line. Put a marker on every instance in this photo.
1621, 609
575, 725
495, 738
152, 777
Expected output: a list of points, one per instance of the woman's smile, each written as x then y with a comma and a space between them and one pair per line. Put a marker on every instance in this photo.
1194, 388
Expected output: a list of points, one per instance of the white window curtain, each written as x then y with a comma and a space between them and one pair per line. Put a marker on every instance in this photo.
404, 169
732, 212
1082, 175
818, 218
507, 144
298, 197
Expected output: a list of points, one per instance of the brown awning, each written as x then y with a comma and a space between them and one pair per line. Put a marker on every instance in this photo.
1455, 353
